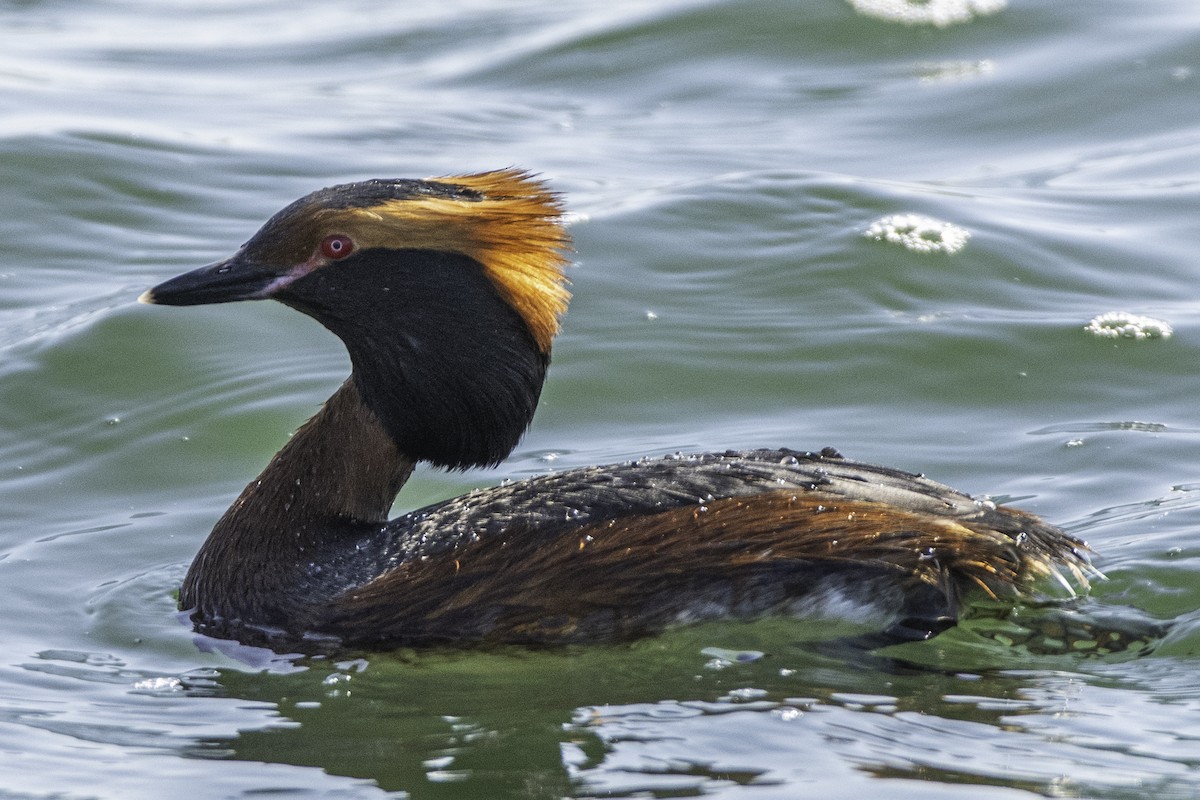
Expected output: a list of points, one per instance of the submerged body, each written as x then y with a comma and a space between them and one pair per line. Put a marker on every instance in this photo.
447, 295
619, 551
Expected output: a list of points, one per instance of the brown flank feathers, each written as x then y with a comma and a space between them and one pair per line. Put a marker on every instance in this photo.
594, 580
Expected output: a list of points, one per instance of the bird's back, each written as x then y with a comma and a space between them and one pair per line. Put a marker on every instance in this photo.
623, 550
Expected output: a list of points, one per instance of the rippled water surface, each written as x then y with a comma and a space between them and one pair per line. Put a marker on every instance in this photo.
722, 160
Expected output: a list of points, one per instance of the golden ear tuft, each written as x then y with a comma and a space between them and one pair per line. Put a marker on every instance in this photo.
512, 226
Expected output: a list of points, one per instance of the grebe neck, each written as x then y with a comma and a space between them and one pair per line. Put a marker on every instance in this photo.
335, 478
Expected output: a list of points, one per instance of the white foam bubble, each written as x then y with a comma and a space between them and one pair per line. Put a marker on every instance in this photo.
918, 233
1122, 325
938, 13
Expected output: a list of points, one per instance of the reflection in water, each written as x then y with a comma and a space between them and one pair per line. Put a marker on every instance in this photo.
669, 718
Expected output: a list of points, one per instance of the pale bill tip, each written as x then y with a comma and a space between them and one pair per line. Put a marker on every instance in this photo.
147, 297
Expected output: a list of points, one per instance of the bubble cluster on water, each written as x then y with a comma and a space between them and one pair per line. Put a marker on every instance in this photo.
938, 13
1122, 325
159, 685
918, 233
732, 656
937, 71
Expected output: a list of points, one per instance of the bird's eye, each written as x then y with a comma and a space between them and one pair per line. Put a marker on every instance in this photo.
337, 246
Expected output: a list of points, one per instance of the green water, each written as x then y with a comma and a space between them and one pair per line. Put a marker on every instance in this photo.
721, 161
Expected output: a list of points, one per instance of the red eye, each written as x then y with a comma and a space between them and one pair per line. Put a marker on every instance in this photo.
337, 246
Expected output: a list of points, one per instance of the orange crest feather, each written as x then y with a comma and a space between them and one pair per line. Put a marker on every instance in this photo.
514, 230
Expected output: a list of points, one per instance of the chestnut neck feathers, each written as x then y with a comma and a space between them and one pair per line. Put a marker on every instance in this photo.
272, 553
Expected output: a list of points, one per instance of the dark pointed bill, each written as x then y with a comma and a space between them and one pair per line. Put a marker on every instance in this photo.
226, 281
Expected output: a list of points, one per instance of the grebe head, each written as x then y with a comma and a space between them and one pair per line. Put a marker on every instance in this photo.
446, 292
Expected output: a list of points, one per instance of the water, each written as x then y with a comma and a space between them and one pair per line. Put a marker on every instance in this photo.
722, 161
